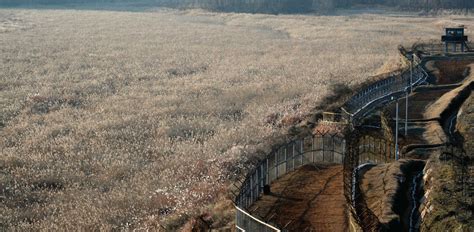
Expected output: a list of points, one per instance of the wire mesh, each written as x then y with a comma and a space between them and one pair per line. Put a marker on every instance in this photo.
320, 147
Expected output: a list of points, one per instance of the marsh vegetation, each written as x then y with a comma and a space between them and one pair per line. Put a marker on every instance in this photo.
120, 120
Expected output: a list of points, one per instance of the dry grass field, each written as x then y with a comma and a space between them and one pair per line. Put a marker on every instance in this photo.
127, 120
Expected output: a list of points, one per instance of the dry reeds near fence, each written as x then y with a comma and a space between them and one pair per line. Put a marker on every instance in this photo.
123, 120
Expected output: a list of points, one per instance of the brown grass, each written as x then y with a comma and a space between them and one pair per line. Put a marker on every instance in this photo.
444, 206
465, 122
379, 186
121, 120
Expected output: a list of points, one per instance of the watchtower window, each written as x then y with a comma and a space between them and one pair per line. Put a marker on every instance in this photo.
457, 32
454, 37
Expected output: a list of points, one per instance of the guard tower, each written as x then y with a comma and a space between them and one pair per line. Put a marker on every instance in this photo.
454, 36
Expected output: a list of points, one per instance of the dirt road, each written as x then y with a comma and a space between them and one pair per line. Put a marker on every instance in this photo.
308, 199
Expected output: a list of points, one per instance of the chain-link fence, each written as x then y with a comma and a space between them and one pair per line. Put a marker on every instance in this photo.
330, 148
384, 88
363, 150
317, 148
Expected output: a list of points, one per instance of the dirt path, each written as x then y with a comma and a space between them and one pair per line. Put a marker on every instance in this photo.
392, 191
308, 199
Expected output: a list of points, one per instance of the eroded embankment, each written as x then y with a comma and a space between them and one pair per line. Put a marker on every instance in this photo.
447, 204
439, 119
442, 207
465, 122
392, 191
400, 193
306, 199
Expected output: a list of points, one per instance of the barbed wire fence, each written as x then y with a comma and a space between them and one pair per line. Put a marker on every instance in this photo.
316, 148
382, 89
330, 148
452, 153
362, 150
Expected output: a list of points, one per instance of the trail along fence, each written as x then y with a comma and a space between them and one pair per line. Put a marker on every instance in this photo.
317, 148
329, 148
332, 149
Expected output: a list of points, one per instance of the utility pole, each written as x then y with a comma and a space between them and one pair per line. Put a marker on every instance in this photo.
396, 130
408, 92
406, 114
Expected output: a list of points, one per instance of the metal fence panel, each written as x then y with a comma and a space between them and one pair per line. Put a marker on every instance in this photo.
361, 150
272, 171
323, 148
397, 83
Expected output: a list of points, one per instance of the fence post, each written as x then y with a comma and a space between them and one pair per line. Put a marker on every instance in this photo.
343, 149
268, 173
251, 188
276, 164
382, 150
301, 151
333, 148
323, 148
375, 147
247, 197
396, 132
294, 155
261, 180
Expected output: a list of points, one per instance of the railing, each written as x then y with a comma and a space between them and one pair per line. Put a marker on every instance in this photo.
438, 48
320, 147
384, 88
